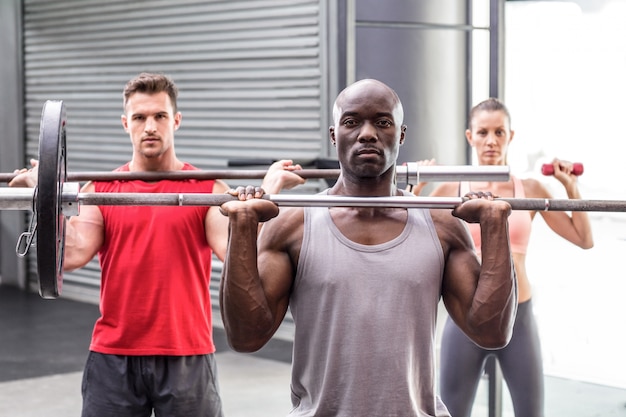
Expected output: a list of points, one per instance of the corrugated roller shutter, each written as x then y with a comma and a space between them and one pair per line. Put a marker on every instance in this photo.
249, 72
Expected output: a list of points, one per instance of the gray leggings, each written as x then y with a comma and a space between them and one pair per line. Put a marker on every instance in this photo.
462, 364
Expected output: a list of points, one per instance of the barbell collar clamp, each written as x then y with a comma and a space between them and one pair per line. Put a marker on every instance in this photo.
69, 199
413, 173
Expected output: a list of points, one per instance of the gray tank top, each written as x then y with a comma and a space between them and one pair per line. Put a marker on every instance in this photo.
365, 319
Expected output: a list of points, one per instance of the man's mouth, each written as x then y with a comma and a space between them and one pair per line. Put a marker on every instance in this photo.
368, 151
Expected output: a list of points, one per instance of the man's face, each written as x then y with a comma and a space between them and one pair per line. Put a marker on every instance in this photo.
367, 132
150, 121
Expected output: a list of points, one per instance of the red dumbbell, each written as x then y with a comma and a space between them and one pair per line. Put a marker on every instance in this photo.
548, 169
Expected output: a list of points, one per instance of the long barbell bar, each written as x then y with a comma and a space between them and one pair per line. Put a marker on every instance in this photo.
300, 200
411, 173
22, 199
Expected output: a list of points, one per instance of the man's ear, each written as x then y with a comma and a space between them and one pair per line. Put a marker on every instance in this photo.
331, 130
178, 118
125, 122
402, 134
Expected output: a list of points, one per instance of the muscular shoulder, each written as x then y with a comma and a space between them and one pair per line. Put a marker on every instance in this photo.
452, 232
284, 230
89, 187
283, 234
220, 187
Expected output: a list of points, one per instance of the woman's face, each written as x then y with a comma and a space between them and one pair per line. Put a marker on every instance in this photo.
490, 134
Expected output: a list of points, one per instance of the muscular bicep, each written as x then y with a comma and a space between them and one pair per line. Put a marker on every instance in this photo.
460, 283
84, 235
276, 277
462, 265
279, 245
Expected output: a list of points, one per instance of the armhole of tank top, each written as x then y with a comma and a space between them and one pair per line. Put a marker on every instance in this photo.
305, 244
518, 185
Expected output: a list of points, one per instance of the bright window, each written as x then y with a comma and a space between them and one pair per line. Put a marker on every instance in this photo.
565, 86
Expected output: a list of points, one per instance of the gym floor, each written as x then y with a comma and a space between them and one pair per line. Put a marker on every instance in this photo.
43, 345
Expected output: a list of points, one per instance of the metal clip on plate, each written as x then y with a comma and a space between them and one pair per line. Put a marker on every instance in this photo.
25, 241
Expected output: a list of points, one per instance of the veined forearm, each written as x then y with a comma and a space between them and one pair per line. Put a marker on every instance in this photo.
245, 311
495, 301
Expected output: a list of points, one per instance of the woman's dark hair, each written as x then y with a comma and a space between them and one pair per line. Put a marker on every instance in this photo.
491, 104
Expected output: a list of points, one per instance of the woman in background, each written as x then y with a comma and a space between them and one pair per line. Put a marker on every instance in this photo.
462, 362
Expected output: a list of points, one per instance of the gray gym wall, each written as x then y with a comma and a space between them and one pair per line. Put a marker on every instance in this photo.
12, 269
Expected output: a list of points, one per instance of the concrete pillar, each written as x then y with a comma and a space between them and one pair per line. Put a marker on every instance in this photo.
419, 48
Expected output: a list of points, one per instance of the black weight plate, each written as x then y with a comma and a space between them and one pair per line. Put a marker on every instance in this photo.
51, 177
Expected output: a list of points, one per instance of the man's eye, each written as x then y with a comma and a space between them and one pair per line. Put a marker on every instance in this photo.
349, 122
385, 123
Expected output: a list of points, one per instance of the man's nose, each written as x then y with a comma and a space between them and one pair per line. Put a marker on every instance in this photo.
368, 132
150, 125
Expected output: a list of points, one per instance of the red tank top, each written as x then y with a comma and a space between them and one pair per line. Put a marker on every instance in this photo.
156, 268
519, 221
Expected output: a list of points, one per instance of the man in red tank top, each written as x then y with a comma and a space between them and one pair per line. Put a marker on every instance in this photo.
152, 347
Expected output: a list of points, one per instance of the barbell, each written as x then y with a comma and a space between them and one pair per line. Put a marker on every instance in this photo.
54, 198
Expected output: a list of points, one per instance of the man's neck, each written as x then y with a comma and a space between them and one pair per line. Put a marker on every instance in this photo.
155, 164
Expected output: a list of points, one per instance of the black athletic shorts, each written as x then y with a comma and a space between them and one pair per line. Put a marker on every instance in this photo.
137, 386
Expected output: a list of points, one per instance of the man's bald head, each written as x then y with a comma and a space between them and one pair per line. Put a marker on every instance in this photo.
362, 89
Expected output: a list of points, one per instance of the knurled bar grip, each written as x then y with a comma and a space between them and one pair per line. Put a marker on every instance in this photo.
301, 200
